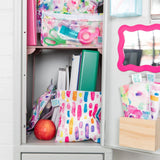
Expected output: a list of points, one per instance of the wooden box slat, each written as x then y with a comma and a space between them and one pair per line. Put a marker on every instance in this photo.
139, 133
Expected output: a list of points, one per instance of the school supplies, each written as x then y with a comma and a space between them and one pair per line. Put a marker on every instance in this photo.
142, 98
88, 70
75, 72
71, 30
86, 37
67, 7
53, 39
61, 83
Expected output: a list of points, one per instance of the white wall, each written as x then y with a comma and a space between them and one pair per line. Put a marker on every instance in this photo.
6, 80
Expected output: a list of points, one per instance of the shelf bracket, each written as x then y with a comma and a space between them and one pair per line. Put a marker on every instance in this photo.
33, 50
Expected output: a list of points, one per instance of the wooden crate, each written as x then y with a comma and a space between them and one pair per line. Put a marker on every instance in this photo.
139, 133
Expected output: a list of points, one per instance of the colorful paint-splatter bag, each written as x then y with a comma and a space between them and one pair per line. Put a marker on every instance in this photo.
80, 115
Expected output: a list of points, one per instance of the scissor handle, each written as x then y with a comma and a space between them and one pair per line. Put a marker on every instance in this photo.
57, 40
51, 39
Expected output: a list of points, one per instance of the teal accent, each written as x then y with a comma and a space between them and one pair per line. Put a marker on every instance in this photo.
98, 140
125, 108
41, 104
55, 102
67, 121
56, 28
147, 87
156, 94
68, 113
68, 32
145, 115
85, 96
141, 106
99, 39
129, 101
97, 115
85, 108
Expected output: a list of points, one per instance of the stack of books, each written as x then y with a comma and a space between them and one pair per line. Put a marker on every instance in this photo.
82, 75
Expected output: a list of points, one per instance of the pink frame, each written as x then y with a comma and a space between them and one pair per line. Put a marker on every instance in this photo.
121, 52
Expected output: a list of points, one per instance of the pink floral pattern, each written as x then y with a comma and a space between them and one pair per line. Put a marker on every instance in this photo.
133, 112
135, 100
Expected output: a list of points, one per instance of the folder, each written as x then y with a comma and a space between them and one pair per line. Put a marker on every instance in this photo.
61, 83
88, 70
75, 72
67, 77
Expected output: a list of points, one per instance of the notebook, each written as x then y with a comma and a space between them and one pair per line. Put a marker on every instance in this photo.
61, 84
74, 72
88, 70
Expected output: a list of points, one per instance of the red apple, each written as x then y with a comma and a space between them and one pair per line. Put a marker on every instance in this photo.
45, 129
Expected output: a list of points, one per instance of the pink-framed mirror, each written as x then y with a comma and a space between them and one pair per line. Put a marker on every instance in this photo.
139, 48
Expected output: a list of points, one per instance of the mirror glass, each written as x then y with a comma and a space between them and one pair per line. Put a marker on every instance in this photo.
142, 48
139, 48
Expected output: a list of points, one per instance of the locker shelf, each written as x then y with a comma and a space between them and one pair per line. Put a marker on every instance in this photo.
32, 140
32, 49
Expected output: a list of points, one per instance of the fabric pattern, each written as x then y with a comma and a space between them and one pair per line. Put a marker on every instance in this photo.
80, 115
154, 100
66, 7
135, 100
39, 106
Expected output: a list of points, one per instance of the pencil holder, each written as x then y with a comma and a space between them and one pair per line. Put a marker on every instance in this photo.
125, 8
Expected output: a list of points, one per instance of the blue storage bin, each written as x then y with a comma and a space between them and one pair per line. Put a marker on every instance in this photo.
125, 8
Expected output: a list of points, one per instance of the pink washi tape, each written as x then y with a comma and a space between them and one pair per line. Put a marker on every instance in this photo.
86, 37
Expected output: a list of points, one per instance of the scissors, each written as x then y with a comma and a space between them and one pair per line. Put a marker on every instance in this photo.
54, 39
